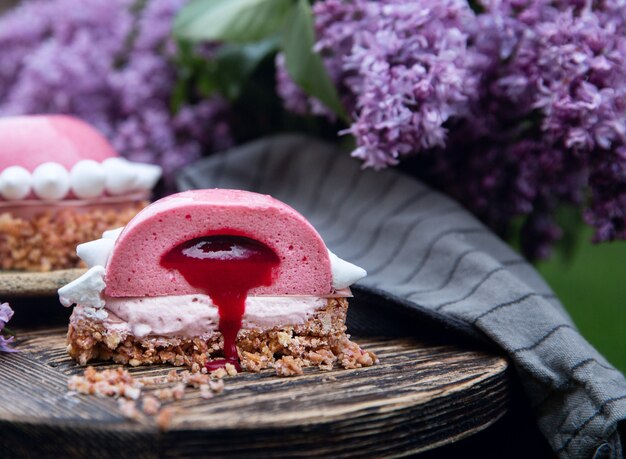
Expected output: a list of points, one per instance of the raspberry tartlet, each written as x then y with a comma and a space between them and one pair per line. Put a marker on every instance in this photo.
211, 277
61, 184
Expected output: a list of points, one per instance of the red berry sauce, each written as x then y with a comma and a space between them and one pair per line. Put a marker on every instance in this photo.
226, 268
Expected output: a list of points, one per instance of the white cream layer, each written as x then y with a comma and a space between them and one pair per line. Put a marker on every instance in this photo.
196, 315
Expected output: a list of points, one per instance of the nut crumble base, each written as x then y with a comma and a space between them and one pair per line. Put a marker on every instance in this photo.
48, 241
321, 341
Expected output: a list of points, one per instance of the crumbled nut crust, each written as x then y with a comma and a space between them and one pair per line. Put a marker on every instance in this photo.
48, 241
287, 366
321, 341
205, 392
217, 387
148, 393
151, 405
129, 409
164, 418
107, 383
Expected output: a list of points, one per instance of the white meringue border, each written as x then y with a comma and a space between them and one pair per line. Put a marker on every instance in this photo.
87, 179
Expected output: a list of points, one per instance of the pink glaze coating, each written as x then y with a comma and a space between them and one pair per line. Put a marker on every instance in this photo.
134, 268
29, 141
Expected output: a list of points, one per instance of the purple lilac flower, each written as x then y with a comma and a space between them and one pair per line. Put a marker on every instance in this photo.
111, 65
403, 66
561, 89
514, 111
5, 315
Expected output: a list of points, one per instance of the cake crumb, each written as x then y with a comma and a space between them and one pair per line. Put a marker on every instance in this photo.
287, 366
164, 418
206, 392
195, 379
150, 405
165, 394
230, 369
217, 386
254, 362
119, 383
178, 392
129, 409
131, 393
350, 355
218, 374
106, 383
323, 358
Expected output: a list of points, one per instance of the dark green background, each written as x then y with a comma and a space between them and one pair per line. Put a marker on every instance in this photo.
592, 286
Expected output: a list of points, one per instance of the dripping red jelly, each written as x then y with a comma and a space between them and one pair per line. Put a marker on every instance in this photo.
225, 268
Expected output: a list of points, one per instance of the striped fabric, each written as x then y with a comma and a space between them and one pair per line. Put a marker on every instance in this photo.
429, 258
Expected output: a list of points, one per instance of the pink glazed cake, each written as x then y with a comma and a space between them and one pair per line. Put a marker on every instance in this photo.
62, 183
207, 278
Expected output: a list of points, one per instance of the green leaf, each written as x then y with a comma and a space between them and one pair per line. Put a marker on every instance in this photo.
234, 63
183, 68
179, 95
570, 221
227, 73
237, 21
303, 64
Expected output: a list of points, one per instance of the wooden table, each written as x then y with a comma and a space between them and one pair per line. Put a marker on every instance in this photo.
420, 396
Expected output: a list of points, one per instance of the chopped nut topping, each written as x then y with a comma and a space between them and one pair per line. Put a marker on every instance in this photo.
129, 409
48, 240
151, 405
206, 392
218, 374
120, 383
217, 386
164, 418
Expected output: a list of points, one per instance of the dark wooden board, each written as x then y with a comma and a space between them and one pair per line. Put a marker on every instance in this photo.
418, 397
20, 284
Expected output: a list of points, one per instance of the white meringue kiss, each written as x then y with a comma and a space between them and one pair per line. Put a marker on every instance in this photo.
147, 175
95, 253
15, 183
344, 272
113, 234
87, 179
121, 176
86, 290
51, 181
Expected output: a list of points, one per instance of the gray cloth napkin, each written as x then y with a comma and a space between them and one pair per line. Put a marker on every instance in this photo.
430, 259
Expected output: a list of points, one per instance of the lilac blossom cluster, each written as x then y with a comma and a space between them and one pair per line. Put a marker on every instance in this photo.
109, 62
5, 315
403, 71
515, 109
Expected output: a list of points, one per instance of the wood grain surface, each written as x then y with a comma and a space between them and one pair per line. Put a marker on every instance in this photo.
16, 284
418, 397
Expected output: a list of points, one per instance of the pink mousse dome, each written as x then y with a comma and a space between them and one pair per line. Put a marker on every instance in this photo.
29, 141
134, 268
